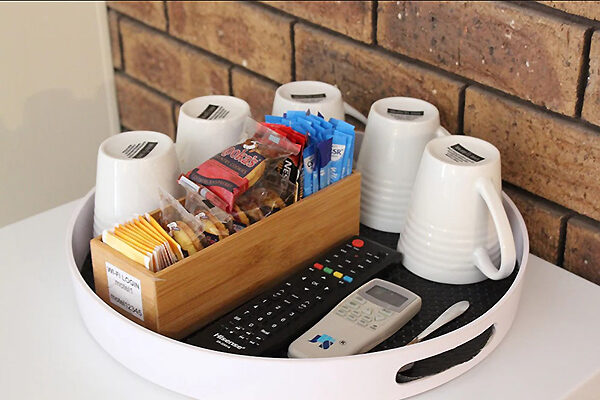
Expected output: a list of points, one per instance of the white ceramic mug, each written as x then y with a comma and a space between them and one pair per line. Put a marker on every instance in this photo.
208, 125
396, 134
457, 230
316, 96
131, 167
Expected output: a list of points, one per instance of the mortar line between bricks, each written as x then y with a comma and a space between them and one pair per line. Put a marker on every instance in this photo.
374, 16
536, 107
293, 45
120, 40
562, 239
167, 22
559, 14
174, 118
230, 79
462, 94
584, 71
148, 87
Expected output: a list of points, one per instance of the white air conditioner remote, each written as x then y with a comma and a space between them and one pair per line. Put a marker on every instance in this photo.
368, 316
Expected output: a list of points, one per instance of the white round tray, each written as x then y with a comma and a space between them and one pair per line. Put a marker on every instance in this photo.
203, 373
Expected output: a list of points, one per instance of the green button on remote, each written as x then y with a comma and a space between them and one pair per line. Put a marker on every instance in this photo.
327, 270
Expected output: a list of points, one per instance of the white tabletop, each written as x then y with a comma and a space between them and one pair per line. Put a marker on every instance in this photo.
551, 352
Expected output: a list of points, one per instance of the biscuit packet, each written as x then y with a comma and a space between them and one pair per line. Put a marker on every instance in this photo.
227, 175
268, 196
181, 225
216, 223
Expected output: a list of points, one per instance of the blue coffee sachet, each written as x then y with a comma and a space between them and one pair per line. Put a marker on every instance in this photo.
274, 119
337, 166
342, 125
296, 114
324, 150
309, 166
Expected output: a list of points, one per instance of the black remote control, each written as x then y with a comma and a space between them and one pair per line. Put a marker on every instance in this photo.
271, 321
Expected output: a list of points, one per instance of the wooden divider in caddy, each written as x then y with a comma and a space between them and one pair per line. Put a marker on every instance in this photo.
185, 296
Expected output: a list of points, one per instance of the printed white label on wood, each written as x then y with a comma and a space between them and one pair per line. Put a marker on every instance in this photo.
124, 291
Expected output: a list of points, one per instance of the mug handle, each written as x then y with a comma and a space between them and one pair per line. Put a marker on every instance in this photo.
353, 112
508, 254
441, 131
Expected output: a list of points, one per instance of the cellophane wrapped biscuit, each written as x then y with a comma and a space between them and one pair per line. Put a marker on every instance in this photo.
227, 175
216, 223
181, 225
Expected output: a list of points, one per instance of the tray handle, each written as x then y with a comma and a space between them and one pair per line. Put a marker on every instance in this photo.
406, 379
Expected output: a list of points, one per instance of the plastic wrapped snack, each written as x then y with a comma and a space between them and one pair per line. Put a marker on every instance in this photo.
227, 175
268, 196
181, 225
216, 223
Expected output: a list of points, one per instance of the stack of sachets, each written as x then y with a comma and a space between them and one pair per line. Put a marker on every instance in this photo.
329, 152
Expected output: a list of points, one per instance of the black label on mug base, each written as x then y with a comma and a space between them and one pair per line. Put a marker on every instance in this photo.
405, 114
309, 98
139, 150
213, 111
460, 154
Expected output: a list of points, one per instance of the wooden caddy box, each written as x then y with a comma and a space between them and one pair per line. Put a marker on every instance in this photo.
187, 295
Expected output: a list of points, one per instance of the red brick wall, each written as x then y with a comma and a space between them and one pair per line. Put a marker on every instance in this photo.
524, 76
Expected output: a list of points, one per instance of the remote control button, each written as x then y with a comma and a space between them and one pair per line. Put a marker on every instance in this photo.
374, 326
367, 318
363, 322
344, 251
341, 312
367, 311
351, 317
380, 317
385, 312
265, 332
348, 261
318, 266
327, 270
359, 299
338, 274
253, 343
348, 279
355, 313
369, 261
353, 304
358, 243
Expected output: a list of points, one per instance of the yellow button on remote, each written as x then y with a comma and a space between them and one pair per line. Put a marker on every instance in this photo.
338, 274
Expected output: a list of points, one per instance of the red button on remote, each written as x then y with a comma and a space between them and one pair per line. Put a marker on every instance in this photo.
318, 266
358, 243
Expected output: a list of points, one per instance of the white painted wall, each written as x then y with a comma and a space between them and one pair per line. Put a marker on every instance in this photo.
57, 103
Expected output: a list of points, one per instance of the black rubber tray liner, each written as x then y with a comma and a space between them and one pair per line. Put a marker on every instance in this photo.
436, 298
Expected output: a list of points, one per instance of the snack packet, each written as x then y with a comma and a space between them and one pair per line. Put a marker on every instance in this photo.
267, 197
227, 175
216, 223
182, 226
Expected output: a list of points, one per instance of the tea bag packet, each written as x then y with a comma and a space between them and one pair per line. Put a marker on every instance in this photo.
182, 226
143, 240
309, 167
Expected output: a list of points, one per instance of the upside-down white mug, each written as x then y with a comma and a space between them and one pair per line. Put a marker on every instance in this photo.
131, 167
457, 230
208, 125
397, 131
314, 96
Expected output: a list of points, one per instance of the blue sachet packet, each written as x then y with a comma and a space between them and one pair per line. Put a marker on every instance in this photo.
339, 146
274, 119
342, 125
324, 151
309, 166
296, 114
